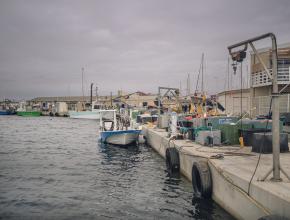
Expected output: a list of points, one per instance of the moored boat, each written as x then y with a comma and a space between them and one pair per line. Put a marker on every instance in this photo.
121, 137
7, 110
93, 114
84, 115
4, 112
111, 133
29, 113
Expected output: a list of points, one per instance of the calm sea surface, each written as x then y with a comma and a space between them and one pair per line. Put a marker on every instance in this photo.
54, 168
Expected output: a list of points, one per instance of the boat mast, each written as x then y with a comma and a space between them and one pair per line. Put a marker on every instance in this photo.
97, 96
92, 84
188, 85
180, 88
202, 61
200, 72
111, 99
83, 93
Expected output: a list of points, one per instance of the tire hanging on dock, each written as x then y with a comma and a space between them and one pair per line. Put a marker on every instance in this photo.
201, 179
172, 160
273, 217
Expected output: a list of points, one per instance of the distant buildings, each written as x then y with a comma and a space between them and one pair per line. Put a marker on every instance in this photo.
136, 99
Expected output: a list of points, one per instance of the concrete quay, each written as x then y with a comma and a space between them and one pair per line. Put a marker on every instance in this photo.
231, 175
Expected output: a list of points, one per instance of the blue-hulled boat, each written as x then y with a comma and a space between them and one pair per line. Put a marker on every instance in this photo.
3, 112
7, 112
120, 137
110, 132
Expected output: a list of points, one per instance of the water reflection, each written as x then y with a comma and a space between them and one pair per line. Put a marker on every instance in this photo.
200, 208
126, 156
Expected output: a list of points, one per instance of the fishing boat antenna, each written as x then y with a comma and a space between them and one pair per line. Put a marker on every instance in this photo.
83, 93
188, 85
202, 70
111, 99
92, 84
97, 95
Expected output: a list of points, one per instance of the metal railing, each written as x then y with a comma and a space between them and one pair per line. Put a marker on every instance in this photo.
261, 78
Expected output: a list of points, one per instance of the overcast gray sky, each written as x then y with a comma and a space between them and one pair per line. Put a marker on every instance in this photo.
129, 45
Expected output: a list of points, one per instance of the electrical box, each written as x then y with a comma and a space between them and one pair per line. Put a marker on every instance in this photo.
230, 132
163, 121
208, 137
215, 122
263, 143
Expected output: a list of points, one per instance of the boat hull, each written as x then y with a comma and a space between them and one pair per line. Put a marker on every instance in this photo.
123, 137
7, 112
29, 113
4, 113
84, 115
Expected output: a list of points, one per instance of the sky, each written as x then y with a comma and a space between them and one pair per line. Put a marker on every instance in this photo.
128, 45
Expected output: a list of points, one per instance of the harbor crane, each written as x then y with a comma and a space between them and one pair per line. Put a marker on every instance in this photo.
238, 56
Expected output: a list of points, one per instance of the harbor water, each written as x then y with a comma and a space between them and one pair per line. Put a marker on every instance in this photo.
54, 168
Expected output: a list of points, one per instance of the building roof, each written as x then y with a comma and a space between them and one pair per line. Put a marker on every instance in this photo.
87, 98
235, 91
68, 98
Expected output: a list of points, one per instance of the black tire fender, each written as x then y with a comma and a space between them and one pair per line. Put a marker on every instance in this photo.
201, 179
273, 217
172, 160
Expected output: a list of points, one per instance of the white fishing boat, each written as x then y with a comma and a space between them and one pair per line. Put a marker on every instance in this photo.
93, 114
113, 131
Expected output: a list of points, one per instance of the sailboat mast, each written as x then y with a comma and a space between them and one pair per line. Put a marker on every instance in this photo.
111, 99
202, 67
180, 88
188, 85
83, 93
97, 95
92, 84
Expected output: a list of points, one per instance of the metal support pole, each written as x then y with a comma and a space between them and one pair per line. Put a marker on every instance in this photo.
111, 99
275, 115
288, 102
97, 96
91, 98
159, 103
202, 63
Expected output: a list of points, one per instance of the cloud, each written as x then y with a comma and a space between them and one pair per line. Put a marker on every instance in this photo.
129, 45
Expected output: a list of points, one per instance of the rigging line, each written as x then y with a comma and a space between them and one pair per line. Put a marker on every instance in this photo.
83, 104
202, 74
